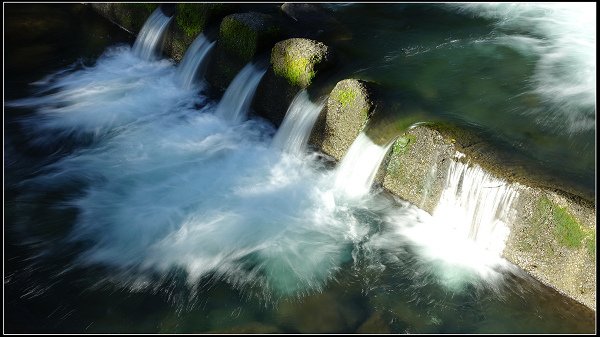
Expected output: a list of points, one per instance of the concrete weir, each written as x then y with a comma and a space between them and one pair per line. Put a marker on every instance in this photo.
551, 230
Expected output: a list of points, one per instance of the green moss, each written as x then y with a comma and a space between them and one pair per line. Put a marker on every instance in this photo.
590, 244
238, 38
402, 144
191, 18
296, 71
568, 230
345, 97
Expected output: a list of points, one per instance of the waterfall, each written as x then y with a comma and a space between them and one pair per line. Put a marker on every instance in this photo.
359, 166
476, 206
236, 101
149, 41
194, 61
293, 134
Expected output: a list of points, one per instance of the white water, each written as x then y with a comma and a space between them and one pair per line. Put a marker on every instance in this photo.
359, 166
563, 38
185, 188
149, 42
462, 242
236, 101
168, 185
292, 136
95, 101
193, 64
476, 206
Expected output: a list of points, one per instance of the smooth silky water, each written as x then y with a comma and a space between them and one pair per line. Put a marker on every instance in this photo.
135, 203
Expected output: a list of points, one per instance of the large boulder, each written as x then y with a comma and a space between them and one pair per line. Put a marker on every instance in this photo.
348, 108
241, 37
294, 65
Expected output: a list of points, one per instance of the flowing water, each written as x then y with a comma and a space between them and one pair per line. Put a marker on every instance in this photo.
194, 61
148, 44
133, 204
359, 166
294, 132
237, 98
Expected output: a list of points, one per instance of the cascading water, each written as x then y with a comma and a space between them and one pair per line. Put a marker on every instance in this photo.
171, 192
238, 97
476, 206
359, 166
292, 136
466, 233
194, 61
150, 38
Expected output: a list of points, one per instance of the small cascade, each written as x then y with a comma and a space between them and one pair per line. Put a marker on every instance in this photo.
293, 134
150, 39
359, 166
476, 206
236, 101
192, 66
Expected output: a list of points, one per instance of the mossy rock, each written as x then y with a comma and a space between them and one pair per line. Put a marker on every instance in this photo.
553, 239
298, 60
192, 19
294, 65
348, 108
415, 169
242, 36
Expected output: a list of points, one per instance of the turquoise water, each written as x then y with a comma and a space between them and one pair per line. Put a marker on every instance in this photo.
143, 212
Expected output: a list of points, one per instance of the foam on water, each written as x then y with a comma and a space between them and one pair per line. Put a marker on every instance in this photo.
109, 95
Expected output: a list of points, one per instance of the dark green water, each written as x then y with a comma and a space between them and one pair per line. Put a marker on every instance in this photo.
47, 292
464, 67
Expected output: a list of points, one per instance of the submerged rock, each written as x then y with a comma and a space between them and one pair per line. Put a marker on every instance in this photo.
349, 106
294, 65
320, 313
375, 324
250, 328
241, 37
